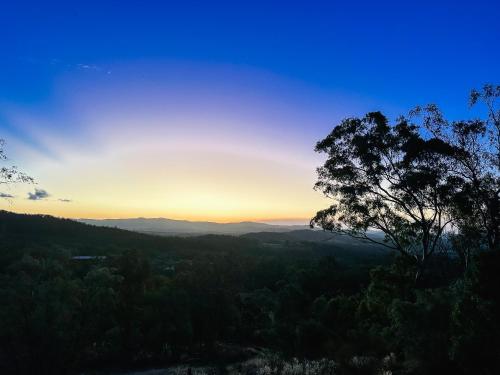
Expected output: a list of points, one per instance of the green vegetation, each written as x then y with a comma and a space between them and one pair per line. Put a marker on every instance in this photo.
159, 300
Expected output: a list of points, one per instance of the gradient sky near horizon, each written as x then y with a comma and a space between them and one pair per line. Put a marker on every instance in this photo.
211, 110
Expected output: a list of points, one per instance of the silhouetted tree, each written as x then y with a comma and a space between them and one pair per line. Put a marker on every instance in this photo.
10, 174
475, 167
387, 178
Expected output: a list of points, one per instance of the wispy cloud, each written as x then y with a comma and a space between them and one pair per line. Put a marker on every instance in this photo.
56, 62
89, 67
39, 194
93, 67
65, 200
5, 195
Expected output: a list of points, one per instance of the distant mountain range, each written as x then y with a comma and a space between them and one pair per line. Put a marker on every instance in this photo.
22, 232
169, 227
310, 235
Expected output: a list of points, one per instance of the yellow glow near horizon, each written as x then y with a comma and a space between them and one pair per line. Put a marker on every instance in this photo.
233, 189
123, 148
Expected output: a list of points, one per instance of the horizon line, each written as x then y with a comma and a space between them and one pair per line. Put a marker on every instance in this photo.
270, 221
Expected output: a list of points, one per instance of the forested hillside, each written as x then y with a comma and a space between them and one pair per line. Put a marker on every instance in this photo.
85, 296
158, 301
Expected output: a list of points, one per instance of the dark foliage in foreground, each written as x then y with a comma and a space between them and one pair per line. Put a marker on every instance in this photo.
145, 300
159, 300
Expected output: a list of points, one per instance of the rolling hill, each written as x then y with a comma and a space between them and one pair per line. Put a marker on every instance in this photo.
20, 233
169, 227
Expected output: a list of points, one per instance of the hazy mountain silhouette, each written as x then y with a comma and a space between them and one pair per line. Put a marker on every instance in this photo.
164, 226
309, 235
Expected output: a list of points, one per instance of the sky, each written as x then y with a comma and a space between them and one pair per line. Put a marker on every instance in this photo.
211, 110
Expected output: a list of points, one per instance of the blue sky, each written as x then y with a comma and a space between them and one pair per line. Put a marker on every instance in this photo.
400, 52
267, 70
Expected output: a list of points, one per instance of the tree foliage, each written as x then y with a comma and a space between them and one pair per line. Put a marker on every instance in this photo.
426, 183
10, 174
476, 165
386, 178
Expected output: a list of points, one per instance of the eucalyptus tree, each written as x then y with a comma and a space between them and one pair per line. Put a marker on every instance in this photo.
387, 178
476, 165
